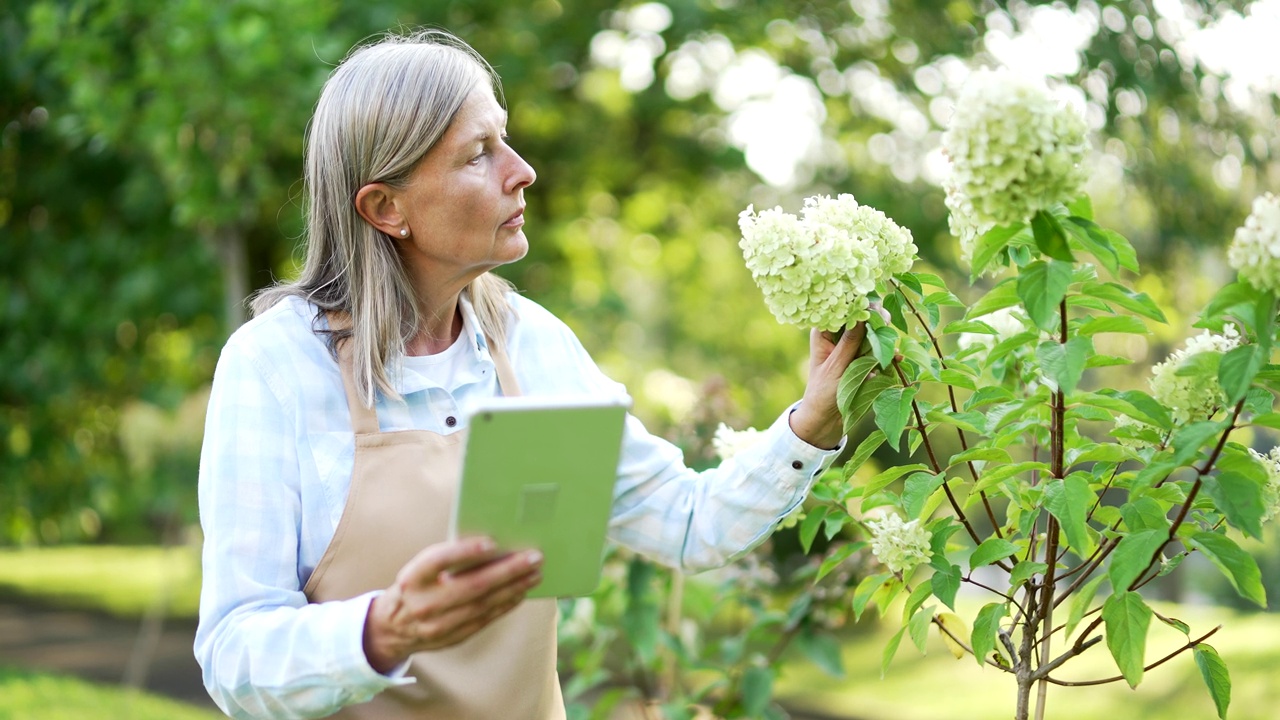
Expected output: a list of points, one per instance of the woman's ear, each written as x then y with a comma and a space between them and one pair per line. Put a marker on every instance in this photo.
376, 203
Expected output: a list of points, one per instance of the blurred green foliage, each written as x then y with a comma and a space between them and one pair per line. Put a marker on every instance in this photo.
150, 157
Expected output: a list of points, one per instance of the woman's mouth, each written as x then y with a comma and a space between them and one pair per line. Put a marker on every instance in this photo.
515, 220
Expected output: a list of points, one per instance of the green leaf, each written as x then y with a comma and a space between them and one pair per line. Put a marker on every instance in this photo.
1050, 237
866, 394
919, 628
911, 280
1024, 571
884, 478
1188, 441
991, 550
1144, 513
1080, 602
882, 341
893, 410
1127, 619
823, 650
1132, 556
865, 590
1121, 296
1238, 565
1237, 369
917, 488
1114, 324
980, 454
1041, 287
940, 531
946, 583
985, 627
1069, 501
891, 649
1231, 295
832, 561
853, 378
1269, 420
995, 476
1081, 208
809, 528
990, 245
968, 326
865, 448
957, 379
1064, 364
1003, 295
1096, 244
1215, 675
757, 690
1153, 411
1238, 497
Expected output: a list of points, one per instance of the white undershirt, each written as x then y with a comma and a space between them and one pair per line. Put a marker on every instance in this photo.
445, 368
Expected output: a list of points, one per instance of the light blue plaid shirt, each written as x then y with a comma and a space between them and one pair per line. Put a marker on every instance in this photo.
276, 465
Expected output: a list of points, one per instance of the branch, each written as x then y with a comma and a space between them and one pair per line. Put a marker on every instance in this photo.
955, 407
1190, 644
990, 589
1042, 673
937, 467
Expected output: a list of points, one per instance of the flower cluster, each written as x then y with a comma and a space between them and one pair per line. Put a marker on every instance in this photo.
1192, 397
1255, 250
1014, 151
1271, 492
899, 546
728, 442
817, 270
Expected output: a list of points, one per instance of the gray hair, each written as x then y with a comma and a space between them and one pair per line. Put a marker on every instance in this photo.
380, 111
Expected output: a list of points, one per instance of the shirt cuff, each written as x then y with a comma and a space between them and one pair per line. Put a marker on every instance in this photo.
797, 463
365, 681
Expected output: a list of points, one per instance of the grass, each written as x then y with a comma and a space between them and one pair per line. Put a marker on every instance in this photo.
939, 687
123, 581
28, 695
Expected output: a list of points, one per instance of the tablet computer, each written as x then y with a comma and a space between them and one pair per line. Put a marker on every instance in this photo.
539, 472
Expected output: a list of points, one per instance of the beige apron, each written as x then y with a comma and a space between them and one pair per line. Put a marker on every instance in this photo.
402, 493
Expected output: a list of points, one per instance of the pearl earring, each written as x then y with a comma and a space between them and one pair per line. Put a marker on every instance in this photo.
404, 232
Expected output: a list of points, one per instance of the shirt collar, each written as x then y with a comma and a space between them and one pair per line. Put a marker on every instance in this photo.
478, 361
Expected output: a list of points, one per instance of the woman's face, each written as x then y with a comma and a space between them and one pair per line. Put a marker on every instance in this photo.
464, 203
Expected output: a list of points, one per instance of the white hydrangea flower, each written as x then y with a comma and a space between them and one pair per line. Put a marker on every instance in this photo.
962, 222
899, 546
1190, 397
1255, 250
1014, 150
1270, 493
1006, 322
816, 271
728, 442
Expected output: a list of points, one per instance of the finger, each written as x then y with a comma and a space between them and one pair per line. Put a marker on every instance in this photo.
427, 565
493, 579
456, 624
850, 343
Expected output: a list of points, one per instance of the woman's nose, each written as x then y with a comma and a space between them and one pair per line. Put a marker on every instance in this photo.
521, 174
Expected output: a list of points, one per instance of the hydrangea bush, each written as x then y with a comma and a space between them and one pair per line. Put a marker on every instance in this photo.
1057, 499
1052, 500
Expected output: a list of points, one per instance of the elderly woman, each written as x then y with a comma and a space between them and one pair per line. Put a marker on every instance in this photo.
332, 445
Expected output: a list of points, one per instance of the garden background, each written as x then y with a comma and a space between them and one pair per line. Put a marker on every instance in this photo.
150, 157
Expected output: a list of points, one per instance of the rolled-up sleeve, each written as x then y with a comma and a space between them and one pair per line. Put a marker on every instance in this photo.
264, 651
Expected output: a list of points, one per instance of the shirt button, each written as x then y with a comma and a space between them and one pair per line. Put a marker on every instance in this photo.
451, 421
797, 464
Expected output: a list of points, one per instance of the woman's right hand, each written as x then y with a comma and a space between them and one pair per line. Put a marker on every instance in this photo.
444, 595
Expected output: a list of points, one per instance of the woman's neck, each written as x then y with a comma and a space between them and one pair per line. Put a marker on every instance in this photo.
441, 325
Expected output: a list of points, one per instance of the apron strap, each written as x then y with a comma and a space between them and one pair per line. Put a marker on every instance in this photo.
506, 376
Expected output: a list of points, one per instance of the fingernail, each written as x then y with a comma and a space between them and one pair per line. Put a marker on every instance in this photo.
533, 557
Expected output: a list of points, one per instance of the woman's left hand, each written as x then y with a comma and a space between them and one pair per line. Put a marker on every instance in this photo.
817, 420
